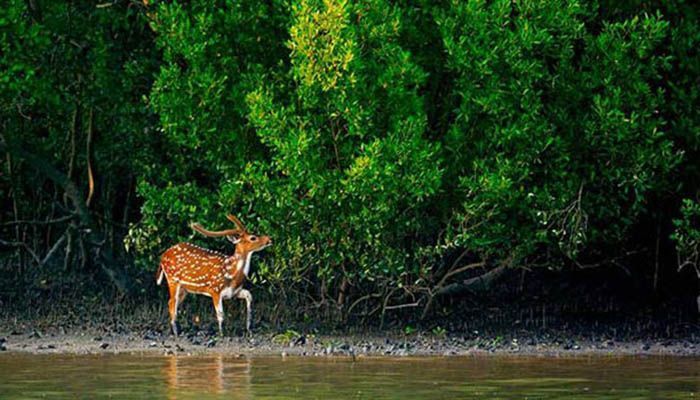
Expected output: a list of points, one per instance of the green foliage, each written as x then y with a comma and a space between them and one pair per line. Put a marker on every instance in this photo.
439, 331
548, 148
72, 83
345, 165
557, 138
409, 330
286, 337
687, 236
381, 144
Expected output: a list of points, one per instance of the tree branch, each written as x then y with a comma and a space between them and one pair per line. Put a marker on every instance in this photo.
38, 222
484, 280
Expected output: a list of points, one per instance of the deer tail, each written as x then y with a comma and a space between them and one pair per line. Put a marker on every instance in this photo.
159, 275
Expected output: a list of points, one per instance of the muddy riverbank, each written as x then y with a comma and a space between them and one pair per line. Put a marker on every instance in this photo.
88, 341
550, 328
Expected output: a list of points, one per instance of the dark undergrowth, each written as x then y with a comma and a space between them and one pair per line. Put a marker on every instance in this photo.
584, 304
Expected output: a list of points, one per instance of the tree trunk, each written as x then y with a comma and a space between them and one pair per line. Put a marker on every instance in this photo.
116, 274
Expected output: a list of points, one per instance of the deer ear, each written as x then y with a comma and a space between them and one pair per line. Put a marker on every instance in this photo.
234, 238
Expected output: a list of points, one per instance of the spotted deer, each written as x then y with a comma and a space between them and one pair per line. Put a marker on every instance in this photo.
192, 269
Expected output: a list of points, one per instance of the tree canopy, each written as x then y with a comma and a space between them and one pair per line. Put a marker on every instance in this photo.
394, 150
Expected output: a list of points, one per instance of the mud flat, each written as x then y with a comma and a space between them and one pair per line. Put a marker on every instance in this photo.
294, 344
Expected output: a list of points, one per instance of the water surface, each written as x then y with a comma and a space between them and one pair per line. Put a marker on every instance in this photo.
218, 376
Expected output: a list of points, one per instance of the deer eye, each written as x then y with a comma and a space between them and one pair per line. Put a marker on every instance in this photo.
253, 238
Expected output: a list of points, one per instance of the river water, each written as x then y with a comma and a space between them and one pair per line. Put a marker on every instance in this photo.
218, 376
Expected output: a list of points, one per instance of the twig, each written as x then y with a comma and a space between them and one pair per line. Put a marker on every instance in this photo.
394, 307
23, 245
656, 256
608, 261
361, 299
440, 284
53, 250
459, 270
91, 178
689, 263
484, 279
25, 116
37, 222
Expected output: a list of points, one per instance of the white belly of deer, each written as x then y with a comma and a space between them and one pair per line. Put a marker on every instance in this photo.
229, 292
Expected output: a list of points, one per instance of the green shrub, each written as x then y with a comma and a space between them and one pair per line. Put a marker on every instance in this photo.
549, 148
687, 236
389, 148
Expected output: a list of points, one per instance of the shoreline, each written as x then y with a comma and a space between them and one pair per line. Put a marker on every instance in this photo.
149, 343
141, 328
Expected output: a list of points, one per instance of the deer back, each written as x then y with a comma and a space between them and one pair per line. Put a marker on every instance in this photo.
199, 269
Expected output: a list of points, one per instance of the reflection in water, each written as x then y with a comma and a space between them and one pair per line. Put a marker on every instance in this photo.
24, 376
213, 374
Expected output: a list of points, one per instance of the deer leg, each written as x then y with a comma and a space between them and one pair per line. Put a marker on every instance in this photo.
180, 298
219, 307
172, 306
245, 295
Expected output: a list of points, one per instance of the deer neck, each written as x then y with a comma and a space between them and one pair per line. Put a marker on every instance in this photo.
242, 261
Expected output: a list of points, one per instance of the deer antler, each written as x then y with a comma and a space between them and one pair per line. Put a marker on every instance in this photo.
236, 221
227, 232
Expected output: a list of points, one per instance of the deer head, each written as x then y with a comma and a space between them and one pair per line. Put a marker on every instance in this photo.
245, 241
